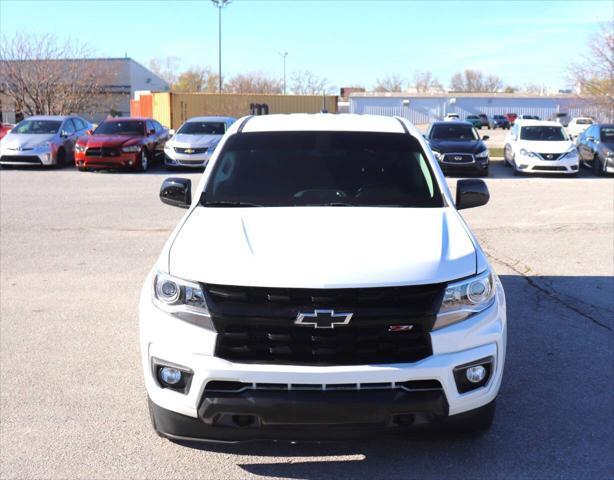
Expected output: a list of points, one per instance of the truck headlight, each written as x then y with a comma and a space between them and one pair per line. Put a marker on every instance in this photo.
465, 298
80, 148
182, 299
526, 153
438, 155
131, 149
483, 154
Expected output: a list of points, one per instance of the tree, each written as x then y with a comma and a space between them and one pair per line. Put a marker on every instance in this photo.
390, 83
308, 83
165, 68
593, 74
475, 81
533, 89
253, 82
196, 79
425, 82
43, 75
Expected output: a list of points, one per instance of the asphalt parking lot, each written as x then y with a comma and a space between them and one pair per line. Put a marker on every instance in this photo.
75, 248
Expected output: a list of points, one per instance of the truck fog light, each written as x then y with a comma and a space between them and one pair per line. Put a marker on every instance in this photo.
129, 162
476, 374
170, 375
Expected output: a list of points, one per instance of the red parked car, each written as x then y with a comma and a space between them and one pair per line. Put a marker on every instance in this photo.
124, 142
511, 117
4, 129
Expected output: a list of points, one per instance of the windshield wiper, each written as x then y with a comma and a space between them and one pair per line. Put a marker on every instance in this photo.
228, 203
327, 204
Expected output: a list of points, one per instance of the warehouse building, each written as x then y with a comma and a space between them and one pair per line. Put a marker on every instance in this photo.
425, 108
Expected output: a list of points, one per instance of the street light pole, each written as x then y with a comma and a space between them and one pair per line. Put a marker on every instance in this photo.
220, 4
284, 55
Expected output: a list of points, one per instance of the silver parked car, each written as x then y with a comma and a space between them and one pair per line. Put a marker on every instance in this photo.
43, 140
195, 141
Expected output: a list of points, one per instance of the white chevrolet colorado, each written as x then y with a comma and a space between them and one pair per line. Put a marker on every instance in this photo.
321, 284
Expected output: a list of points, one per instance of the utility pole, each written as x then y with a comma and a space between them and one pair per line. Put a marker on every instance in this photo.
220, 4
284, 56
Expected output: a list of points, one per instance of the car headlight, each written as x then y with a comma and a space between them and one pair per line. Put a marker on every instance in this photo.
168, 146
438, 155
526, 153
608, 153
465, 298
44, 148
572, 152
182, 299
483, 154
131, 149
80, 148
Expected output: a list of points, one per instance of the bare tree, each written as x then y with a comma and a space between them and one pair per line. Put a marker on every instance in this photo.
390, 83
165, 68
475, 81
196, 79
42, 75
308, 83
593, 74
426, 82
532, 89
253, 82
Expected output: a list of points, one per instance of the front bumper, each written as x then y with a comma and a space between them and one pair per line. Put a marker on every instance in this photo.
479, 165
123, 160
196, 160
199, 414
27, 157
536, 165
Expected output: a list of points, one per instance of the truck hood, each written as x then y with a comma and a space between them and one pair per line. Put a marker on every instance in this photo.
199, 141
322, 247
547, 146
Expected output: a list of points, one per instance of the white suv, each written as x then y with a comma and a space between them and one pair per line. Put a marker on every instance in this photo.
535, 146
321, 284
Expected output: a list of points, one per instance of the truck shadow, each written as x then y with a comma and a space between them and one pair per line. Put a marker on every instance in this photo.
553, 410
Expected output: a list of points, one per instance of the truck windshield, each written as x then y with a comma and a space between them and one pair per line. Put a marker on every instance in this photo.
322, 169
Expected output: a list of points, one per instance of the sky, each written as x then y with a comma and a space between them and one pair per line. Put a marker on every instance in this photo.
348, 42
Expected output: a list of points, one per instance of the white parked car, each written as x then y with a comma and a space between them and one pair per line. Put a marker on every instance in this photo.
451, 117
577, 125
193, 144
42, 140
535, 146
321, 283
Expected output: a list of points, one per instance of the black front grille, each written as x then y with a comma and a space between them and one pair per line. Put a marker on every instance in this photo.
550, 169
102, 152
20, 158
388, 325
458, 158
550, 156
190, 151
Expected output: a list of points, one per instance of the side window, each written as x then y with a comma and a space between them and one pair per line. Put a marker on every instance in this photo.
149, 126
80, 124
69, 127
159, 128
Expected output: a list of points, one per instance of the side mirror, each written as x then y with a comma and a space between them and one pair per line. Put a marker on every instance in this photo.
89, 132
471, 193
151, 132
176, 192
590, 139
63, 134
171, 132
485, 137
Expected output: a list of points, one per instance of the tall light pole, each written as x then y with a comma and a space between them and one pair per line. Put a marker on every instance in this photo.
220, 4
284, 55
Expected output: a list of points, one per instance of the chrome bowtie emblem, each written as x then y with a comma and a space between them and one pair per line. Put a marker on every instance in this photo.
189, 150
323, 319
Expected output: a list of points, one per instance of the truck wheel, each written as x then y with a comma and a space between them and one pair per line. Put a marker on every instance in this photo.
143, 161
474, 421
60, 158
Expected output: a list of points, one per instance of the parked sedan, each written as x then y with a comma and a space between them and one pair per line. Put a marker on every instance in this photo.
596, 148
500, 121
577, 125
458, 147
123, 142
486, 122
195, 141
474, 120
42, 140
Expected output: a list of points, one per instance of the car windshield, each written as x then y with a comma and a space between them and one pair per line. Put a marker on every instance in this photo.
453, 132
472, 117
33, 127
322, 169
202, 128
543, 133
607, 134
133, 127
584, 121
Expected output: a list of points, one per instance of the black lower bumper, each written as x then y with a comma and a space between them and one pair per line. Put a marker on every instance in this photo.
476, 167
301, 415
